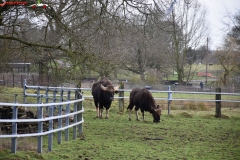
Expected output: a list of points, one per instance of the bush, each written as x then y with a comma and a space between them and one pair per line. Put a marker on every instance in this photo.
135, 79
151, 77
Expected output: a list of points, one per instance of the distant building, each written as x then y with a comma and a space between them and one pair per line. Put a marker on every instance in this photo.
15, 67
203, 74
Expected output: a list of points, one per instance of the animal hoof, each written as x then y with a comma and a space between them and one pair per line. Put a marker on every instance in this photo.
106, 118
129, 119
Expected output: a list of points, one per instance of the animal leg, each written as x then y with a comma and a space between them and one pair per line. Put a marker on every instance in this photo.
143, 116
97, 111
129, 114
136, 111
106, 113
97, 108
101, 111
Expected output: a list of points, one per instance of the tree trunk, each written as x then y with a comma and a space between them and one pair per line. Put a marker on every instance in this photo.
43, 73
142, 76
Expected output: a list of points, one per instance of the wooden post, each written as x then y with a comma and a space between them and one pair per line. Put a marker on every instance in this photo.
169, 99
218, 103
121, 100
22, 80
79, 85
13, 79
33, 79
3, 81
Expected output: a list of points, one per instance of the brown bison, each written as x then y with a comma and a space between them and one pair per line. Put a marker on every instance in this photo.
142, 99
103, 95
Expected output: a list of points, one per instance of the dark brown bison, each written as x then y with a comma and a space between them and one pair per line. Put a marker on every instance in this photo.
103, 95
142, 99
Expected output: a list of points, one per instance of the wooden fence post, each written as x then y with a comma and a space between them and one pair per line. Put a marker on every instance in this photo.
3, 81
22, 80
13, 79
169, 99
218, 103
121, 100
33, 79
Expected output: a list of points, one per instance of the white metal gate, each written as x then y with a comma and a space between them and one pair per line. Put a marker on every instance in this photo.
49, 100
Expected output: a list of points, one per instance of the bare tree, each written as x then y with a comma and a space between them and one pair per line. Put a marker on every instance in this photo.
235, 36
227, 56
69, 37
186, 24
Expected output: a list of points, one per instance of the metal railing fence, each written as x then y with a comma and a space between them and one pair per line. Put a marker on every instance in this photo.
58, 98
170, 93
231, 97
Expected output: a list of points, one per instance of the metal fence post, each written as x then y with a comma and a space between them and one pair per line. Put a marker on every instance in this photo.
60, 119
50, 136
79, 115
75, 116
67, 118
14, 126
169, 98
40, 123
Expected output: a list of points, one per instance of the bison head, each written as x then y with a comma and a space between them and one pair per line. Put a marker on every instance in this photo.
157, 113
109, 88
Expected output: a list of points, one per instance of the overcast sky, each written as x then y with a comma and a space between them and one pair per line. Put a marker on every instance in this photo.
217, 11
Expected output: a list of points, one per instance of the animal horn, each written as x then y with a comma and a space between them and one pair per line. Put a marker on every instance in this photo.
116, 88
103, 88
158, 110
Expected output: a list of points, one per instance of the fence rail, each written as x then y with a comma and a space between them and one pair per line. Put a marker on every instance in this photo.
50, 117
175, 92
232, 97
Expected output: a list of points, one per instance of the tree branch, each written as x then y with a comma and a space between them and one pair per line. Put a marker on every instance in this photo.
32, 44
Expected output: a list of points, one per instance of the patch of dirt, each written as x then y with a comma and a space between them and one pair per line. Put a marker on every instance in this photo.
186, 115
213, 116
224, 116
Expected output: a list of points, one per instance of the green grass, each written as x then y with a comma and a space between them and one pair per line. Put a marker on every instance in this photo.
189, 132
184, 134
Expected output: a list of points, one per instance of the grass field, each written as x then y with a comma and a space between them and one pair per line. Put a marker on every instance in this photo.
189, 132
185, 134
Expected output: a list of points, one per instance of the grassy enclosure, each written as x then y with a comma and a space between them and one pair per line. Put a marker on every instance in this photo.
187, 133
190, 132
